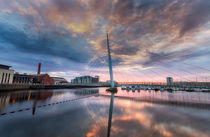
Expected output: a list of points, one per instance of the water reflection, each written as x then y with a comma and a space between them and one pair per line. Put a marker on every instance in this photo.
89, 116
164, 96
135, 119
110, 114
32, 98
132, 118
34, 107
12, 98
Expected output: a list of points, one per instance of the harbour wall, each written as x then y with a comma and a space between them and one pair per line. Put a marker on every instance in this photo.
15, 87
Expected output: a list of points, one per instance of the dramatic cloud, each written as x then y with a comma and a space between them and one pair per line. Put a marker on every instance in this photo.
142, 32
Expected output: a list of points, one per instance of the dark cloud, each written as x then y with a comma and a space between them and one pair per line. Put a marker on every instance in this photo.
162, 19
72, 7
102, 61
126, 50
197, 16
46, 43
66, 5
186, 15
172, 57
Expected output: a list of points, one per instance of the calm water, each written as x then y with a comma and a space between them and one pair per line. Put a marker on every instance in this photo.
84, 112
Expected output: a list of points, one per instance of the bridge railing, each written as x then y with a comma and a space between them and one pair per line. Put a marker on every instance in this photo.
165, 85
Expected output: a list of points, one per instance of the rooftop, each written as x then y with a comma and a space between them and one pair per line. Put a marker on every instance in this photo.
4, 66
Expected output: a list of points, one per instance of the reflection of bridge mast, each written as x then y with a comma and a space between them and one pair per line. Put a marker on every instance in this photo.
112, 86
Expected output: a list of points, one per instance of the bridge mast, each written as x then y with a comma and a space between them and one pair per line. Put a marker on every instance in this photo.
110, 63
112, 86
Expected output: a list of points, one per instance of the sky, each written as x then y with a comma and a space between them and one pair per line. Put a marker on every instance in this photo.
149, 39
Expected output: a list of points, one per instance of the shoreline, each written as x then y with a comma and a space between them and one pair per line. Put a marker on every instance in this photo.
16, 87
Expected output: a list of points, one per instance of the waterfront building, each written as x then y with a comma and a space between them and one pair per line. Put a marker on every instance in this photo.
6, 74
44, 79
169, 80
22, 78
85, 80
59, 80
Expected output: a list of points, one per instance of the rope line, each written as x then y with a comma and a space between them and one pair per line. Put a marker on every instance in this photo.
45, 105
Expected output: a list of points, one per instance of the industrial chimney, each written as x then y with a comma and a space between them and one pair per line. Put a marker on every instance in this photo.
39, 69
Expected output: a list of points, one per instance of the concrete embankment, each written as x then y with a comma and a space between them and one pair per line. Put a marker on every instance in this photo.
10, 87
14, 87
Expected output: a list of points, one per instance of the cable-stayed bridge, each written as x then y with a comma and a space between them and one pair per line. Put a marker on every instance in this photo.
192, 77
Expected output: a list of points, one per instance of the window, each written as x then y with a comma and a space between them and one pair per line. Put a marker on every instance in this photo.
5, 80
8, 78
2, 78
14, 79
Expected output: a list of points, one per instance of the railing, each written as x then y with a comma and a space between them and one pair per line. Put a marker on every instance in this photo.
168, 86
